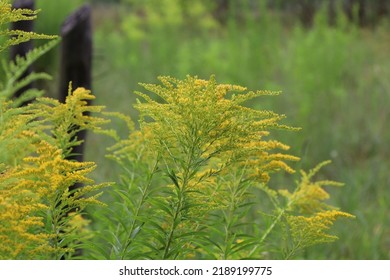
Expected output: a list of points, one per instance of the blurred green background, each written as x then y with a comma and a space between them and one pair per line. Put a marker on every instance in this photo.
329, 58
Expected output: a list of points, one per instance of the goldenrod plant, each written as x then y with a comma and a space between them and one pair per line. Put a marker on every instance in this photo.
196, 169
40, 216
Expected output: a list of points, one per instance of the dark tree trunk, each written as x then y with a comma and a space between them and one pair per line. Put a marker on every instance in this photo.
361, 11
332, 12
348, 9
23, 48
307, 9
76, 59
221, 11
382, 9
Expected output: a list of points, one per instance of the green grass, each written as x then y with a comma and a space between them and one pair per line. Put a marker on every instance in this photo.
335, 84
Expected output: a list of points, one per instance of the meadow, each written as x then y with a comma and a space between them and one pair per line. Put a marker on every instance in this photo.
334, 81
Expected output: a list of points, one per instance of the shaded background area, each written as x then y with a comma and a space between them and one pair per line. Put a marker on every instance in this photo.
330, 59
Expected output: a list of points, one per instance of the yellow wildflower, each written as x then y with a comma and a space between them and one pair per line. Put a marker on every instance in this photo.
308, 231
309, 196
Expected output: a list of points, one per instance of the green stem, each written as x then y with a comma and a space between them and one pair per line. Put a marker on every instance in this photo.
55, 230
228, 234
141, 202
272, 226
235, 199
268, 231
178, 209
172, 229
181, 190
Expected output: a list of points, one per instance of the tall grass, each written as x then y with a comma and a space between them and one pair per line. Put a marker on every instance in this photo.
334, 79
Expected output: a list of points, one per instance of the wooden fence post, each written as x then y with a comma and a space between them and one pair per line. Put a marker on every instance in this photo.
23, 48
76, 59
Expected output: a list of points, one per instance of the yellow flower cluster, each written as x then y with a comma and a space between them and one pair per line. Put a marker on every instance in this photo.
196, 120
35, 176
309, 197
67, 119
18, 207
8, 15
308, 231
308, 215
34, 195
15, 125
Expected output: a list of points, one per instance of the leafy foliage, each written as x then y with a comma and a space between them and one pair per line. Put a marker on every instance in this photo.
14, 71
192, 173
36, 201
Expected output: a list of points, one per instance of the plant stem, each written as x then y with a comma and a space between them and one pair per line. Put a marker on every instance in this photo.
268, 231
141, 202
235, 199
172, 229
181, 200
